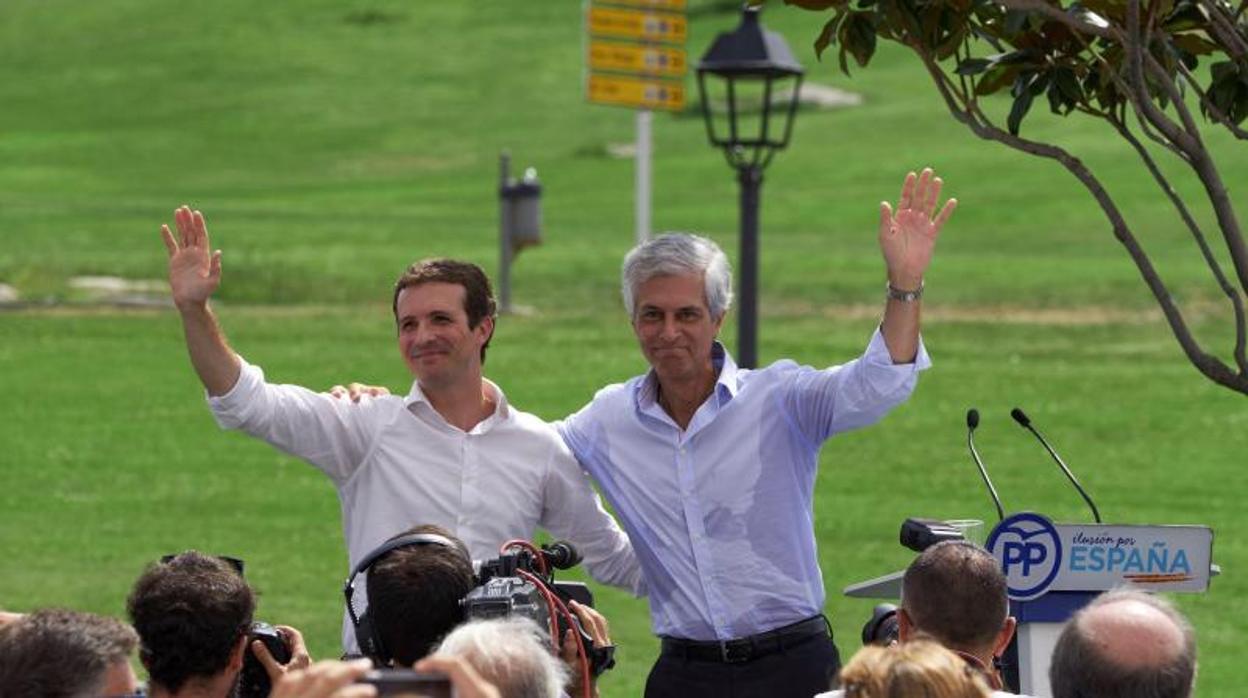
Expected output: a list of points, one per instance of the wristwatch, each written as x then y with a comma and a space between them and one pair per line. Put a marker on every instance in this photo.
903, 296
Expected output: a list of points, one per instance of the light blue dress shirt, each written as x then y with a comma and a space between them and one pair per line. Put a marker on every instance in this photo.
720, 514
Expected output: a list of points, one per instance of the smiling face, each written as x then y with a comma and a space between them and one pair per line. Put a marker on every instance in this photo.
437, 344
675, 328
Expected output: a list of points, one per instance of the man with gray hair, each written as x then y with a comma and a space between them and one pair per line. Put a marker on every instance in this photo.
1125, 644
711, 467
56, 653
510, 653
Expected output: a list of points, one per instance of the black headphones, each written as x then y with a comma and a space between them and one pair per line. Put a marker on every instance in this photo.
365, 633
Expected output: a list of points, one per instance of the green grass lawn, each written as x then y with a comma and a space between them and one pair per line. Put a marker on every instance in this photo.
331, 143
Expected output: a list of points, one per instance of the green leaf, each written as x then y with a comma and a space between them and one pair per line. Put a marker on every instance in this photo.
1194, 44
828, 35
997, 77
1067, 83
1015, 21
860, 37
1022, 103
973, 66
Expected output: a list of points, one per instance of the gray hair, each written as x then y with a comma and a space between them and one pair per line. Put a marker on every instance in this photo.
511, 653
62, 654
678, 254
1080, 666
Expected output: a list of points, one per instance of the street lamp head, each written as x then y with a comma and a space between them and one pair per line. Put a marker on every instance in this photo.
742, 79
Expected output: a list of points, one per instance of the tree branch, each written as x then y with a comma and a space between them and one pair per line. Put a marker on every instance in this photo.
1241, 359
1224, 29
1209, 365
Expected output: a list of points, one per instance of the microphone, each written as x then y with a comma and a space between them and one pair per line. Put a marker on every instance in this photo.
1025, 422
561, 555
972, 421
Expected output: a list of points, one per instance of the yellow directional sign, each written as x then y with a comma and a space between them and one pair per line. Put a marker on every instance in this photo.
637, 25
670, 5
636, 92
637, 58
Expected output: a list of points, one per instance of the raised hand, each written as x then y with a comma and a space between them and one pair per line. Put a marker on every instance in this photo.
908, 236
194, 270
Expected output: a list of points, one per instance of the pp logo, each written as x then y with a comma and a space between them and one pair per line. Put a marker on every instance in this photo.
1030, 552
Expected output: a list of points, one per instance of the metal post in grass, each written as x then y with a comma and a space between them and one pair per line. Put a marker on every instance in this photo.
749, 83
519, 222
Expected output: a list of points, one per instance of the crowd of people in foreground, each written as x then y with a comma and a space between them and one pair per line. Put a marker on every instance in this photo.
192, 625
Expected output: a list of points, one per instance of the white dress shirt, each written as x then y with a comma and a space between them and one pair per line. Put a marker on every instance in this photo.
397, 463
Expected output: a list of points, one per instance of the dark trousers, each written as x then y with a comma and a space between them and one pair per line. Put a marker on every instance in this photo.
797, 671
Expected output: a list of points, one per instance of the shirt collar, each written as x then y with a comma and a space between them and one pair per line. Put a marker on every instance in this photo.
502, 409
647, 392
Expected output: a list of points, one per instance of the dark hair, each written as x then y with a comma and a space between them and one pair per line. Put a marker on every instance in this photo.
56, 653
190, 613
478, 295
955, 592
1081, 667
414, 594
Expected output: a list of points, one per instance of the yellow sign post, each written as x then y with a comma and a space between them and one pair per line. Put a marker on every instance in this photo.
635, 57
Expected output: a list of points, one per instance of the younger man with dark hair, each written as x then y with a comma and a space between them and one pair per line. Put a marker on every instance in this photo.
453, 450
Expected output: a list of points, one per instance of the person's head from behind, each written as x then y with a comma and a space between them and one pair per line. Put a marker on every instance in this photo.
193, 614
955, 593
445, 312
917, 669
414, 594
56, 653
677, 289
511, 653
1125, 643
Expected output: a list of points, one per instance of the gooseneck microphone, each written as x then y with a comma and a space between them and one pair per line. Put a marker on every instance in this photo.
972, 421
1021, 417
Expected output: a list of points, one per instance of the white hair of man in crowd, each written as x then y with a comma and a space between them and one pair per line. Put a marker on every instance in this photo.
510, 653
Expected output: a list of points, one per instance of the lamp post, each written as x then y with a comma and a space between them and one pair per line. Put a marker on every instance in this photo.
742, 80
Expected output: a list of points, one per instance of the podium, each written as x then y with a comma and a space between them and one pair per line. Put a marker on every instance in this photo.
1053, 570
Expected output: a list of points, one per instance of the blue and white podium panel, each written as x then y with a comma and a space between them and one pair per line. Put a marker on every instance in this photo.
1053, 570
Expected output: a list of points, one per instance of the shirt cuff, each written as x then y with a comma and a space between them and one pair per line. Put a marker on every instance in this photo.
877, 354
231, 409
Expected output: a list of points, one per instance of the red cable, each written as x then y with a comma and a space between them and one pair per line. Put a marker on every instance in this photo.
554, 604
537, 554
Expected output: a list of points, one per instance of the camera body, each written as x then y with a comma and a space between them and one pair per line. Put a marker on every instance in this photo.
253, 681
503, 591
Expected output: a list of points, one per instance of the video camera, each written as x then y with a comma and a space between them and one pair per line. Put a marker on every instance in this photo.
917, 535
520, 582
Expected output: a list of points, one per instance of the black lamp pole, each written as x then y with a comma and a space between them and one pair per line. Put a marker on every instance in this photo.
751, 62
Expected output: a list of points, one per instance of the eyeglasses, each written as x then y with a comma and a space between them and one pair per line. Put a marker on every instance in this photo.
233, 562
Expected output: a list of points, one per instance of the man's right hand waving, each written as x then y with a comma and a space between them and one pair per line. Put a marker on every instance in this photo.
194, 271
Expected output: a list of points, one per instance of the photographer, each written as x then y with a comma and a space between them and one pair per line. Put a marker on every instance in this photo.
413, 594
55, 653
955, 593
193, 614
421, 585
